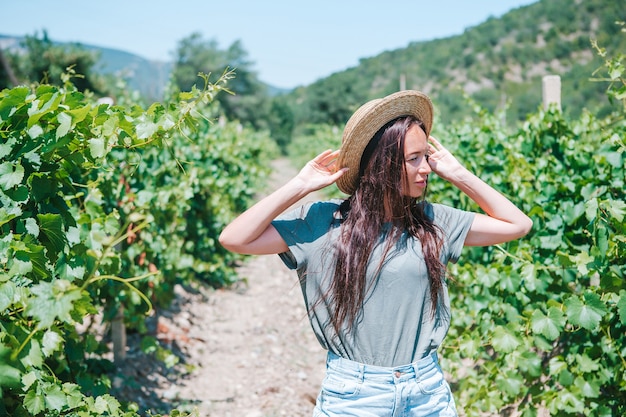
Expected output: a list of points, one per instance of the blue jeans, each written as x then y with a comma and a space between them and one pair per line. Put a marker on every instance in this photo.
354, 389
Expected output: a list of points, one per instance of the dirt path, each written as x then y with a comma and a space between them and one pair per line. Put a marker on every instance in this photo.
250, 349
260, 357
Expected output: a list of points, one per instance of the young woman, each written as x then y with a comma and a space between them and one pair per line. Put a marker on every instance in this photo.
372, 266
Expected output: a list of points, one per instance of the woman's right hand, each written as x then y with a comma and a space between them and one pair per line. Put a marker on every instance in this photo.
321, 171
252, 231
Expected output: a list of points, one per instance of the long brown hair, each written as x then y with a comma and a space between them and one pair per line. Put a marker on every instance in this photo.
377, 200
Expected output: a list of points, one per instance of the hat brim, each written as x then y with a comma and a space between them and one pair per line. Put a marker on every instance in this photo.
368, 120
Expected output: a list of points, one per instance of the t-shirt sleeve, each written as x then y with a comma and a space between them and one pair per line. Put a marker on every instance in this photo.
455, 224
301, 229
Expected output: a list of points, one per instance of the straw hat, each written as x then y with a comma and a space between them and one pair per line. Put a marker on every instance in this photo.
368, 120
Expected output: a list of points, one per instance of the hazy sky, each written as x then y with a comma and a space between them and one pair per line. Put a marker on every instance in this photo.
290, 42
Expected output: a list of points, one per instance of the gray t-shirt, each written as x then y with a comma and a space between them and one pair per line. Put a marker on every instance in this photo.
395, 326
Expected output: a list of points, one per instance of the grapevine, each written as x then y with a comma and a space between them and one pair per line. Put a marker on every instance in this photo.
97, 213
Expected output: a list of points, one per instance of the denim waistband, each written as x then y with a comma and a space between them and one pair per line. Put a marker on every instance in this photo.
349, 367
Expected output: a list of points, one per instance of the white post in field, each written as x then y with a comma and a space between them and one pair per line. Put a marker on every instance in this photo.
551, 91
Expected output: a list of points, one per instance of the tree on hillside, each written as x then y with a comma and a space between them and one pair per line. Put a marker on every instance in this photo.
43, 61
7, 76
281, 122
332, 100
249, 102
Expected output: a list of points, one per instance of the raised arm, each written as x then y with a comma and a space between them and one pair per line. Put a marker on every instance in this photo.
252, 232
503, 220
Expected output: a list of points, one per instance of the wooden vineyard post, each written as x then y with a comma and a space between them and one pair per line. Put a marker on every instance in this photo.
118, 335
551, 91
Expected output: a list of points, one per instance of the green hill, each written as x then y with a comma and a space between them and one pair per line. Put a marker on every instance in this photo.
148, 77
143, 75
499, 62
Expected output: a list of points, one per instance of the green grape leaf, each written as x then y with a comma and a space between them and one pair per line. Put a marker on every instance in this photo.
73, 235
602, 241
468, 346
79, 114
34, 402
74, 395
35, 131
13, 99
29, 379
552, 241
32, 227
7, 293
6, 217
585, 364
35, 113
9, 376
167, 122
529, 276
581, 260
33, 357
51, 342
97, 147
51, 225
530, 362
109, 127
549, 326
65, 123
589, 388
106, 403
511, 383
35, 254
146, 129
41, 186
52, 300
566, 378
7, 147
529, 272
588, 314
20, 267
11, 174
572, 212
570, 402
503, 340
617, 209
54, 397
18, 194
591, 209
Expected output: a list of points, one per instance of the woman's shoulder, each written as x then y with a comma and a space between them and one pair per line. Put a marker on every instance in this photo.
433, 209
327, 205
444, 213
315, 209
308, 222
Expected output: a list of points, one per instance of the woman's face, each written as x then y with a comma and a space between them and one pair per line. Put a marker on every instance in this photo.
416, 163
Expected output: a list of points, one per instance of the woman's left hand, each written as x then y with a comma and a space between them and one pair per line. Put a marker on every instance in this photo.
442, 162
502, 220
